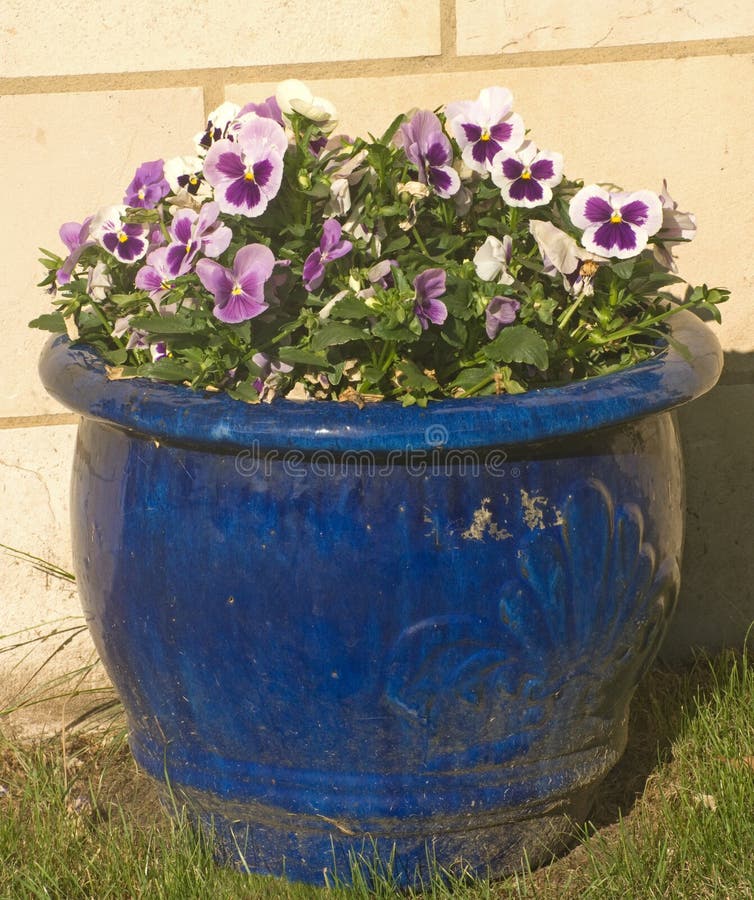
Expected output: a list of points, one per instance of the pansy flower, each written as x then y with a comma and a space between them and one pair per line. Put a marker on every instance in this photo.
615, 223
294, 96
501, 311
238, 292
267, 109
157, 276
492, 258
485, 126
429, 286
562, 255
430, 151
527, 177
148, 186
184, 173
677, 227
331, 246
246, 173
77, 237
218, 122
196, 232
126, 241
98, 281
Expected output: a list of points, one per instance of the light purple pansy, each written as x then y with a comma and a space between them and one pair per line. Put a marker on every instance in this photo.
429, 286
485, 126
148, 186
156, 277
77, 238
331, 246
615, 223
430, 151
196, 232
527, 177
267, 109
127, 242
246, 172
501, 311
238, 292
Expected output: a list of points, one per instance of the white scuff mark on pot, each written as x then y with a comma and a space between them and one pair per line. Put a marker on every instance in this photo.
483, 524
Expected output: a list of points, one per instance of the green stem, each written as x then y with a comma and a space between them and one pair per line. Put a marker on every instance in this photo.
419, 240
567, 313
480, 385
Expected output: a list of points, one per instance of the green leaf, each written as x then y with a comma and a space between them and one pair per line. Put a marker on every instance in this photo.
116, 357
350, 307
394, 332
335, 333
297, 356
545, 308
165, 370
53, 322
624, 268
167, 324
518, 343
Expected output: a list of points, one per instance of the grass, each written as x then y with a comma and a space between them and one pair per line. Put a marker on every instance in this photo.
675, 819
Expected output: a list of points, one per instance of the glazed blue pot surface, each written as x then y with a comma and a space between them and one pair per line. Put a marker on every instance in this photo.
337, 630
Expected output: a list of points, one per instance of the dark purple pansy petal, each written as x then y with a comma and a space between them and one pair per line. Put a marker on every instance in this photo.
597, 210
262, 172
512, 168
636, 212
501, 132
230, 165
472, 132
542, 169
243, 193
526, 189
615, 235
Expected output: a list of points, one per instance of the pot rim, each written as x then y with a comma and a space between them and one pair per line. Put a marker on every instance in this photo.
75, 376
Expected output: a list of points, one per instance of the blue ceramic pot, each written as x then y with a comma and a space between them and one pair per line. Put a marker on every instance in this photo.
337, 630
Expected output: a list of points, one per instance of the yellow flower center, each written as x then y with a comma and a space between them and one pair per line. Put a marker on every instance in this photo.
526, 174
249, 176
485, 136
616, 217
122, 237
236, 290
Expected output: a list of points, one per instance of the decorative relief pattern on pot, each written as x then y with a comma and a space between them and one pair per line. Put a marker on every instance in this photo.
555, 664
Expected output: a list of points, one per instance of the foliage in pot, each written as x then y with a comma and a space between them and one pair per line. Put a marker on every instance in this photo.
340, 626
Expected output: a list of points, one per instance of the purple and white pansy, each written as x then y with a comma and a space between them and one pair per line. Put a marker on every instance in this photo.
485, 126
431, 152
527, 176
246, 172
616, 224
128, 242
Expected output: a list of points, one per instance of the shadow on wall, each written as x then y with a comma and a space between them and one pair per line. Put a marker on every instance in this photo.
716, 605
